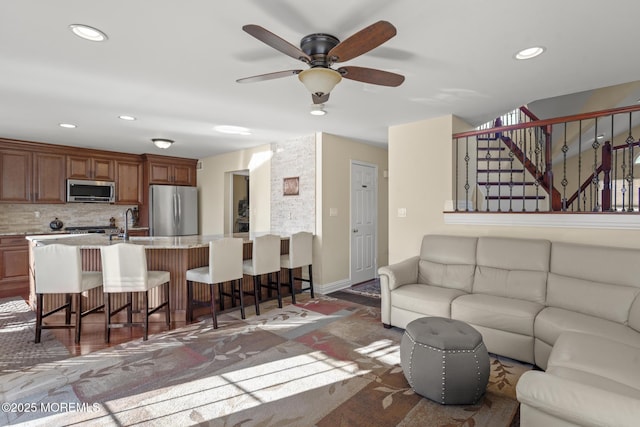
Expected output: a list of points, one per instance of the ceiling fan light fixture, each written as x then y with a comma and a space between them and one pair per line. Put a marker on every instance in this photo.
162, 143
88, 33
317, 110
320, 81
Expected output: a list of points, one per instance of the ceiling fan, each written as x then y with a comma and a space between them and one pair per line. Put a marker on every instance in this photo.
320, 51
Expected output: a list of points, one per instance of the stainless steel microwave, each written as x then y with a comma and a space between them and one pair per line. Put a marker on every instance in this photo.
81, 190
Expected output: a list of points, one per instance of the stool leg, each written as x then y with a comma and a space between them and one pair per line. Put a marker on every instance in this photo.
146, 316
213, 307
256, 287
129, 307
278, 289
78, 298
292, 286
39, 301
189, 301
67, 313
221, 296
239, 283
311, 281
168, 306
107, 320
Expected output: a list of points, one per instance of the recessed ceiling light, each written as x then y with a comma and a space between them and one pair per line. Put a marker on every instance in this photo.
233, 130
67, 125
530, 52
128, 118
88, 33
317, 110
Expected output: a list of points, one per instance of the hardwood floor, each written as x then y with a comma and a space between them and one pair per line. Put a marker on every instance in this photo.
92, 338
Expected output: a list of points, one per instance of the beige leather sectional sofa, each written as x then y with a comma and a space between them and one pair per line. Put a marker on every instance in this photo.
573, 310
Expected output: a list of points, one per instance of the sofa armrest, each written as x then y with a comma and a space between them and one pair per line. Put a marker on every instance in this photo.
402, 273
391, 277
576, 402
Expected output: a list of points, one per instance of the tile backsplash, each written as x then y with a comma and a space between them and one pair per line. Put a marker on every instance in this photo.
35, 218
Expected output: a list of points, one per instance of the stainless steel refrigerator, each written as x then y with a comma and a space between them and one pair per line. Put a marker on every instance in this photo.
173, 210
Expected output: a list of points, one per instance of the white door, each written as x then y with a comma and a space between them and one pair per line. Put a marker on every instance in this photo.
363, 222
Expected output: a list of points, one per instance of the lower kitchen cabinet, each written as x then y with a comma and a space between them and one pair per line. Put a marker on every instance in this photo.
14, 266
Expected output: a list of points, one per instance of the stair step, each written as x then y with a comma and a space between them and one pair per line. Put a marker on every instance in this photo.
515, 184
500, 171
495, 159
491, 148
541, 197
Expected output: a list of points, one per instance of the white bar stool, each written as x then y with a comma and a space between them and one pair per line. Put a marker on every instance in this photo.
58, 270
265, 259
300, 254
124, 270
225, 265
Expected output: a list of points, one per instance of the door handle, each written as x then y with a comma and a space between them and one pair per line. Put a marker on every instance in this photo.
355, 230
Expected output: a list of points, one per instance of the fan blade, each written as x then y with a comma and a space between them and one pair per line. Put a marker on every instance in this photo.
320, 99
371, 75
276, 42
362, 41
269, 76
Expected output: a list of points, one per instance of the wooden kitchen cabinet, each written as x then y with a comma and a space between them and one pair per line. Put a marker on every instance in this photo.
14, 266
15, 175
84, 167
170, 170
129, 178
31, 177
49, 183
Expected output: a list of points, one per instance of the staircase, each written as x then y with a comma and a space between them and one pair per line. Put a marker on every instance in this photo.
503, 183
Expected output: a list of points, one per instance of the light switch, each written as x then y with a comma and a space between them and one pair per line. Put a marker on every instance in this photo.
402, 212
333, 211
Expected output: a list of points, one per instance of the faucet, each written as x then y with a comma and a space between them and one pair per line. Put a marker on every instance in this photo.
125, 236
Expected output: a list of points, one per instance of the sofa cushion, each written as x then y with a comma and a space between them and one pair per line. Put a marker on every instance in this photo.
597, 361
605, 300
425, 299
598, 266
513, 268
553, 321
447, 261
506, 314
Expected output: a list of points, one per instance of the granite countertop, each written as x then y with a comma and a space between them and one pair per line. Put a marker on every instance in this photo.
95, 241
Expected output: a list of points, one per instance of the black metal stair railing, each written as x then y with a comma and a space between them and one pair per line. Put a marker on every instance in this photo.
510, 167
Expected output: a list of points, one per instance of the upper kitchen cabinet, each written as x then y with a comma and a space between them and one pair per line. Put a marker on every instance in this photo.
129, 178
170, 170
84, 167
31, 176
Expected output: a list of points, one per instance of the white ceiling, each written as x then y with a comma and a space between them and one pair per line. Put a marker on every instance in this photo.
173, 65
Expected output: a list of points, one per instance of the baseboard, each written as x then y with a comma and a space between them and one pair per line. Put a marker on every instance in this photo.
327, 288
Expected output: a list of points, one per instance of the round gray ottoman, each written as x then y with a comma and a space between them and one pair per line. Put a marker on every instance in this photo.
445, 360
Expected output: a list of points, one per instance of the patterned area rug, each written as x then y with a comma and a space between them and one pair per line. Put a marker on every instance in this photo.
323, 362
369, 289
17, 334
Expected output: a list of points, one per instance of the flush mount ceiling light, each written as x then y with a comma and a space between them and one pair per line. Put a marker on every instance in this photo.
232, 130
127, 118
88, 33
317, 110
320, 81
530, 52
162, 143
67, 125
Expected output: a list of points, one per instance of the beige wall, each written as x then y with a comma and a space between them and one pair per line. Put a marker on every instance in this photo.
333, 232
419, 180
214, 186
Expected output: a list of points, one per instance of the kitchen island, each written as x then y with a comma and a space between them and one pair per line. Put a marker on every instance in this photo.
173, 254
